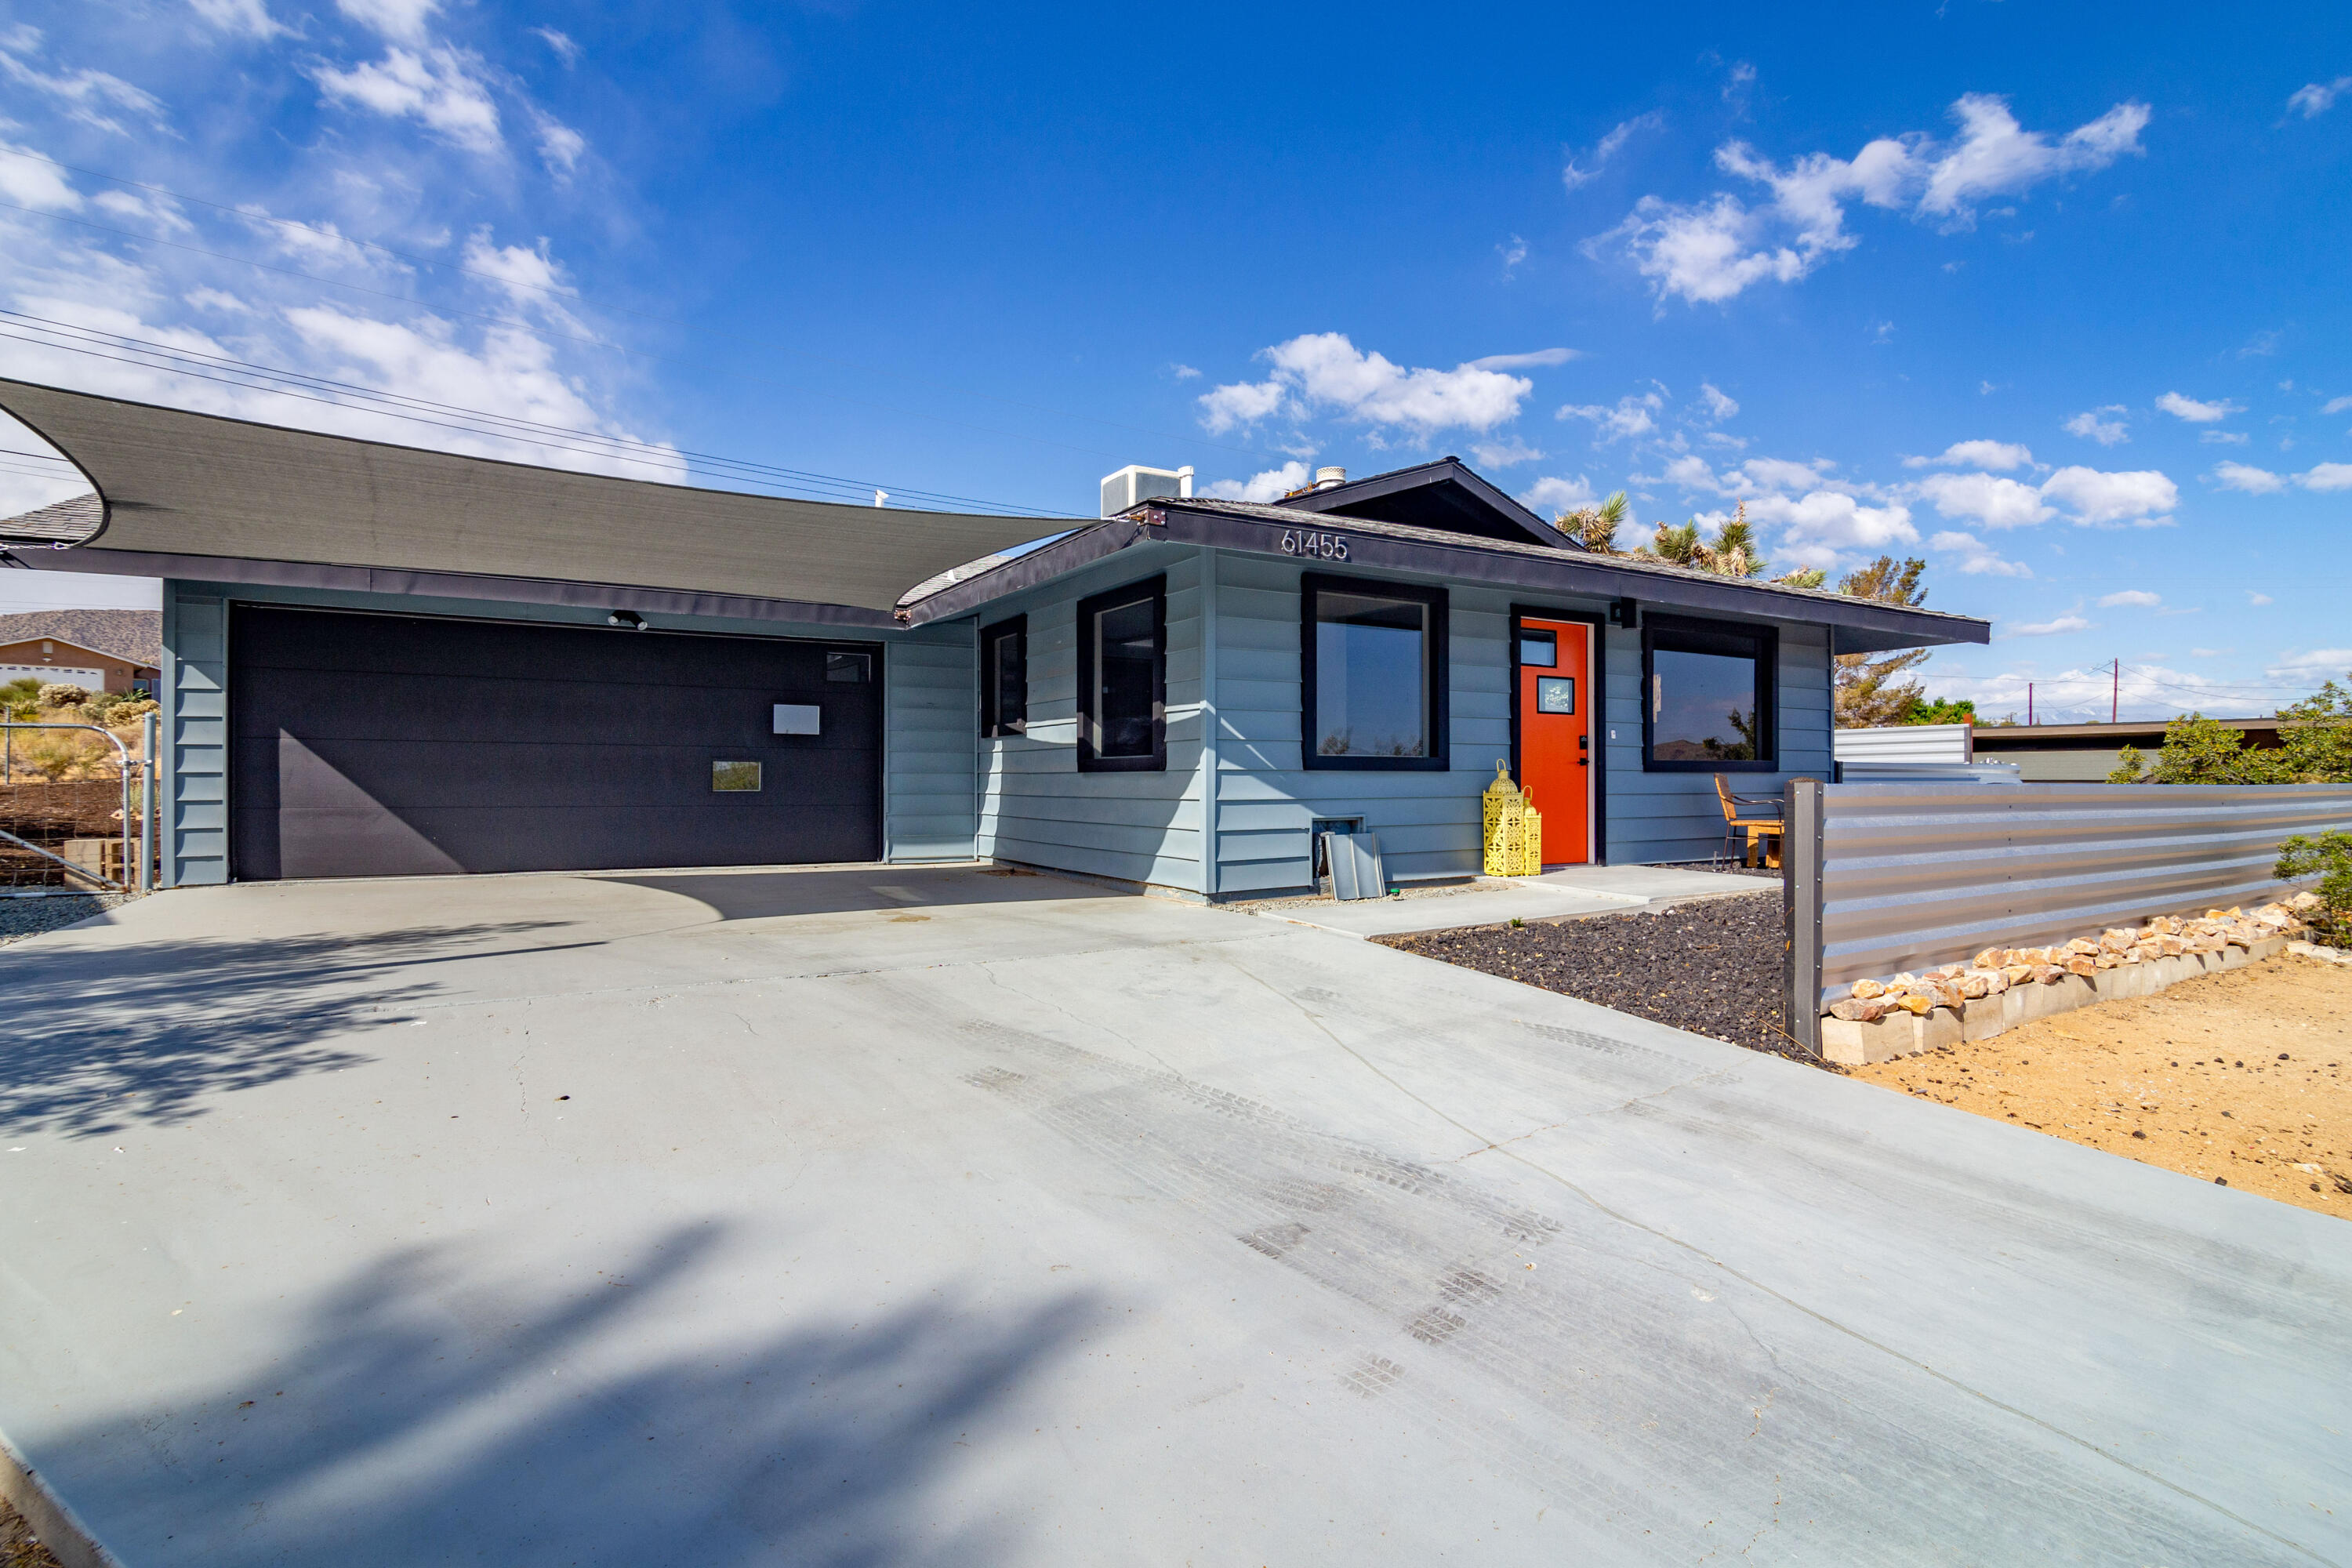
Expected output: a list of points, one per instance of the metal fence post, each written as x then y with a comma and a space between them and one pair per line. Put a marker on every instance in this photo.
1801, 902
147, 805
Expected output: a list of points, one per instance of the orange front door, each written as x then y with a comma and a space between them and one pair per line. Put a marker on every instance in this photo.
1556, 733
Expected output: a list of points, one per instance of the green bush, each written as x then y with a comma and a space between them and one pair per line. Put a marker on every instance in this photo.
2315, 747
2329, 857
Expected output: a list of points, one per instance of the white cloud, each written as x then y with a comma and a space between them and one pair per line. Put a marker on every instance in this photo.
1537, 359
2253, 481
566, 48
1711, 250
529, 276
2001, 455
1631, 416
214, 300
250, 17
439, 87
2327, 476
2336, 406
93, 98
2315, 99
1504, 454
1323, 372
2197, 413
1828, 520
1717, 404
1183, 372
1270, 485
2319, 664
1990, 500
401, 21
2091, 427
1550, 497
1976, 558
2139, 596
1513, 251
2067, 623
2222, 438
2254, 599
31, 182
2097, 497
1572, 174
560, 146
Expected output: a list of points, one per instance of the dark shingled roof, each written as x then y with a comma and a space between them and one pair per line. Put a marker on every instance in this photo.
68, 521
133, 635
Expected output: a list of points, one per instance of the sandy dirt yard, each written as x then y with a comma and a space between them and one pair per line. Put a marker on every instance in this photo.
2243, 1077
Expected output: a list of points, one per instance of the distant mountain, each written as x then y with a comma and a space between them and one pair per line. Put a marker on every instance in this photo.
135, 635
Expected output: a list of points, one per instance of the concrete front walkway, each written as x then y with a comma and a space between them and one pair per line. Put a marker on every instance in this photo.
933, 1216
1566, 892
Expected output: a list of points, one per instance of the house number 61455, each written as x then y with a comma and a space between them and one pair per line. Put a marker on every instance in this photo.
1326, 546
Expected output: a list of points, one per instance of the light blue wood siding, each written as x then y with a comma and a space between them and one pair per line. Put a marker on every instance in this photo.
1428, 823
930, 780
195, 729
1035, 807
1676, 815
931, 690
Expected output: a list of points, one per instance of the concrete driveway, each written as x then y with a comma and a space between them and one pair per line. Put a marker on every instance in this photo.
910, 1216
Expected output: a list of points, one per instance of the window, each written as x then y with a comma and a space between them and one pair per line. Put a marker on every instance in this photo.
1706, 697
854, 668
1123, 679
735, 778
1004, 677
1371, 674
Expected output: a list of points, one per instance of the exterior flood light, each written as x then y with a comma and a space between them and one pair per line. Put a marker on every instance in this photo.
628, 620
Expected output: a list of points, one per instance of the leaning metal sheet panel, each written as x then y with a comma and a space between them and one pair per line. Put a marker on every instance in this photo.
1916, 874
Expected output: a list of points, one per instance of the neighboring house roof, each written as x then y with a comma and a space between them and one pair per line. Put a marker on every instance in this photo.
68, 521
1862, 625
2141, 732
194, 495
1443, 495
135, 637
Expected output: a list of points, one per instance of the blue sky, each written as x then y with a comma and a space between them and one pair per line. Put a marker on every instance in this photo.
2059, 303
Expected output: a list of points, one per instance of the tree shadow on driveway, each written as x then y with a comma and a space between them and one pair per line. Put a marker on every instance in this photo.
439, 1407
100, 1039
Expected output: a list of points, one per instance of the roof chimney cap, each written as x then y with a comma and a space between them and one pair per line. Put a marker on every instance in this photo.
1329, 479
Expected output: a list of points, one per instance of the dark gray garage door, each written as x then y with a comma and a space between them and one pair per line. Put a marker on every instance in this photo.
396, 745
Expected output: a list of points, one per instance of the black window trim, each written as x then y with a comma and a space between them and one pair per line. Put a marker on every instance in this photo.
1597, 681
1767, 639
1088, 608
993, 725
1311, 585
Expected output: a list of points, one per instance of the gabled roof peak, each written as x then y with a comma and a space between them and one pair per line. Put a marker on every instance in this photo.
1445, 494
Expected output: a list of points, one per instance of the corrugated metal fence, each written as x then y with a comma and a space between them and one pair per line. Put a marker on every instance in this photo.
1883, 878
1905, 743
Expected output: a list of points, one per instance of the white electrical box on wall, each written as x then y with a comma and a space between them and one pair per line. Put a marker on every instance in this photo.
798, 719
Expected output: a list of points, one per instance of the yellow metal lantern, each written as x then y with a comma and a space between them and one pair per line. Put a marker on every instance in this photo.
1513, 832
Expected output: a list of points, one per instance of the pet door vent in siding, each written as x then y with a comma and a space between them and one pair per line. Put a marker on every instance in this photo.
1355, 862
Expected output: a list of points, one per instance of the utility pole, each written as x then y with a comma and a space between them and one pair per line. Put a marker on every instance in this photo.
2116, 692
2029, 703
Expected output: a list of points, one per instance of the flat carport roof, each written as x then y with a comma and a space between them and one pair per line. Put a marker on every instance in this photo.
888, 1214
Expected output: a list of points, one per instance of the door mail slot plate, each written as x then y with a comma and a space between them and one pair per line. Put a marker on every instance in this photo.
798, 719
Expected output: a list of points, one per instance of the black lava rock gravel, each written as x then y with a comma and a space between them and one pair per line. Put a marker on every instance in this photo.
1712, 967
21, 918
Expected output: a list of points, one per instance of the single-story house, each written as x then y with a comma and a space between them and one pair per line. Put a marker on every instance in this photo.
383, 661
2087, 753
98, 650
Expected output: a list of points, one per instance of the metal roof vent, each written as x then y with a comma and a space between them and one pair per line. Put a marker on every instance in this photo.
1134, 485
1330, 478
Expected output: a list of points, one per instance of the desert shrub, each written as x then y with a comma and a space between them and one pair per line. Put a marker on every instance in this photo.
24, 688
63, 694
58, 755
2329, 857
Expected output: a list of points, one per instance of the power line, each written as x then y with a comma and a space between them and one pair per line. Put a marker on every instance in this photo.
72, 339
505, 282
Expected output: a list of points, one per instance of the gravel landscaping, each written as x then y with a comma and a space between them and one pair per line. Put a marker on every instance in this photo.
21, 918
1711, 966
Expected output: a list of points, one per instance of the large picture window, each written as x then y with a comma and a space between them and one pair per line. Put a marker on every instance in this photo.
1372, 674
1123, 679
1004, 677
1708, 697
